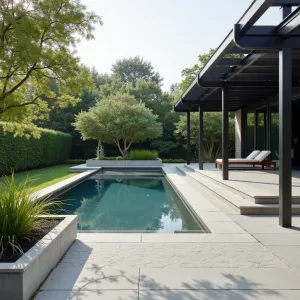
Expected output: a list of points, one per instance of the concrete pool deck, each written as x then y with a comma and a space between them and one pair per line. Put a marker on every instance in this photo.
244, 257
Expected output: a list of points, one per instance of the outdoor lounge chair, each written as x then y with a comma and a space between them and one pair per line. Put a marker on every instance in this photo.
258, 160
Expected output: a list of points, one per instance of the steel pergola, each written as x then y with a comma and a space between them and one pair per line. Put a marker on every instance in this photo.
253, 66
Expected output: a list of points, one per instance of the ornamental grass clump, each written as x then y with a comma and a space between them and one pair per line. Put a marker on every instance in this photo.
143, 155
20, 213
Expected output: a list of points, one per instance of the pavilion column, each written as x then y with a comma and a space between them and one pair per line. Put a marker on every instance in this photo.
268, 128
256, 130
285, 131
188, 138
225, 132
285, 137
200, 138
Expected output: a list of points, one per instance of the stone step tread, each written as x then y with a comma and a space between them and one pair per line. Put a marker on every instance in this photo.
257, 199
234, 199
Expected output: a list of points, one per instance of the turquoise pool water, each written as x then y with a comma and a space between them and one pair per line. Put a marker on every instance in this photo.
128, 204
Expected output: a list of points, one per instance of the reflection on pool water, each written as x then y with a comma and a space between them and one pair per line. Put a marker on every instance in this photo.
128, 204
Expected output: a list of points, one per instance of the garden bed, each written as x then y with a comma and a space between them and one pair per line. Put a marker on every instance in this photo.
28, 242
21, 278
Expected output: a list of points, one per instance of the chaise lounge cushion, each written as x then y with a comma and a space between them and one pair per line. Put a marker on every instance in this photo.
262, 155
253, 154
259, 158
239, 160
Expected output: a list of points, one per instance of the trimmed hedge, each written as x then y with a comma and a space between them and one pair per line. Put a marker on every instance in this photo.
173, 160
141, 154
20, 153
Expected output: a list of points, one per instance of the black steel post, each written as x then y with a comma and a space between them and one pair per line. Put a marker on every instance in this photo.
255, 130
285, 131
285, 137
188, 138
268, 127
200, 138
265, 129
245, 125
243, 135
225, 132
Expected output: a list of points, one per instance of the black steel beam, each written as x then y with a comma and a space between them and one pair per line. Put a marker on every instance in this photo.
286, 3
285, 137
225, 135
188, 138
290, 24
253, 13
262, 42
230, 61
247, 61
200, 137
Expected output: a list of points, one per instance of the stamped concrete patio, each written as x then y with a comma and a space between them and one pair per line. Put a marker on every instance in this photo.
244, 257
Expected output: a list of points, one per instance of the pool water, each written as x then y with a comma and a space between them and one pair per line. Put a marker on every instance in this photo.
128, 204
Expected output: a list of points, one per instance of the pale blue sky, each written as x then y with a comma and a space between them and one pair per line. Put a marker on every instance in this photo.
168, 33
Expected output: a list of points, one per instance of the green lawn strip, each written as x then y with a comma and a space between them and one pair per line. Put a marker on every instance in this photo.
45, 176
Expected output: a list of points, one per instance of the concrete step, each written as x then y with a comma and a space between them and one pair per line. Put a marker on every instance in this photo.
240, 204
273, 199
259, 199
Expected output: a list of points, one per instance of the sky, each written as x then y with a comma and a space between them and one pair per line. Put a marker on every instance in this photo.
168, 33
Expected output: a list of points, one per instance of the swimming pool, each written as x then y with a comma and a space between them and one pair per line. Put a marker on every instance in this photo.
128, 201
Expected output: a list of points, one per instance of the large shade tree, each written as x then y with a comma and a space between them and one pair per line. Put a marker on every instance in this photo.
37, 48
119, 119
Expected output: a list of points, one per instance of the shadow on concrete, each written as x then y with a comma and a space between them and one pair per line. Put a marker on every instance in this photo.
236, 287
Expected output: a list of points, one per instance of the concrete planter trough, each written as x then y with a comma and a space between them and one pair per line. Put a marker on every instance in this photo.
19, 280
124, 163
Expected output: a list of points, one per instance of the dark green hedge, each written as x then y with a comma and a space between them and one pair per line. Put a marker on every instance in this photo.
20, 153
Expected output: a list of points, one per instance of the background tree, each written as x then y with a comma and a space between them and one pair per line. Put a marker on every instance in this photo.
212, 122
189, 74
118, 119
131, 68
37, 43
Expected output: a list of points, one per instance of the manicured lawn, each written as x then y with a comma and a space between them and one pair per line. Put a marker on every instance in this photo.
46, 176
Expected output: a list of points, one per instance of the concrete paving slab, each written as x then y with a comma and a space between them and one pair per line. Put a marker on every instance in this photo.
278, 239
172, 254
92, 277
289, 254
197, 238
109, 237
214, 217
224, 227
194, 279
280, 294
87, 295
263, 224
274, 279
200, 295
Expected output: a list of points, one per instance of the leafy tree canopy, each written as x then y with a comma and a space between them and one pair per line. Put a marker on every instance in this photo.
212, 122
132, 68
37, 46
189, 74
119, 119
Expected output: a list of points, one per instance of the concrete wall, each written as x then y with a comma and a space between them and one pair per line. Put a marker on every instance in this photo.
238, 131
